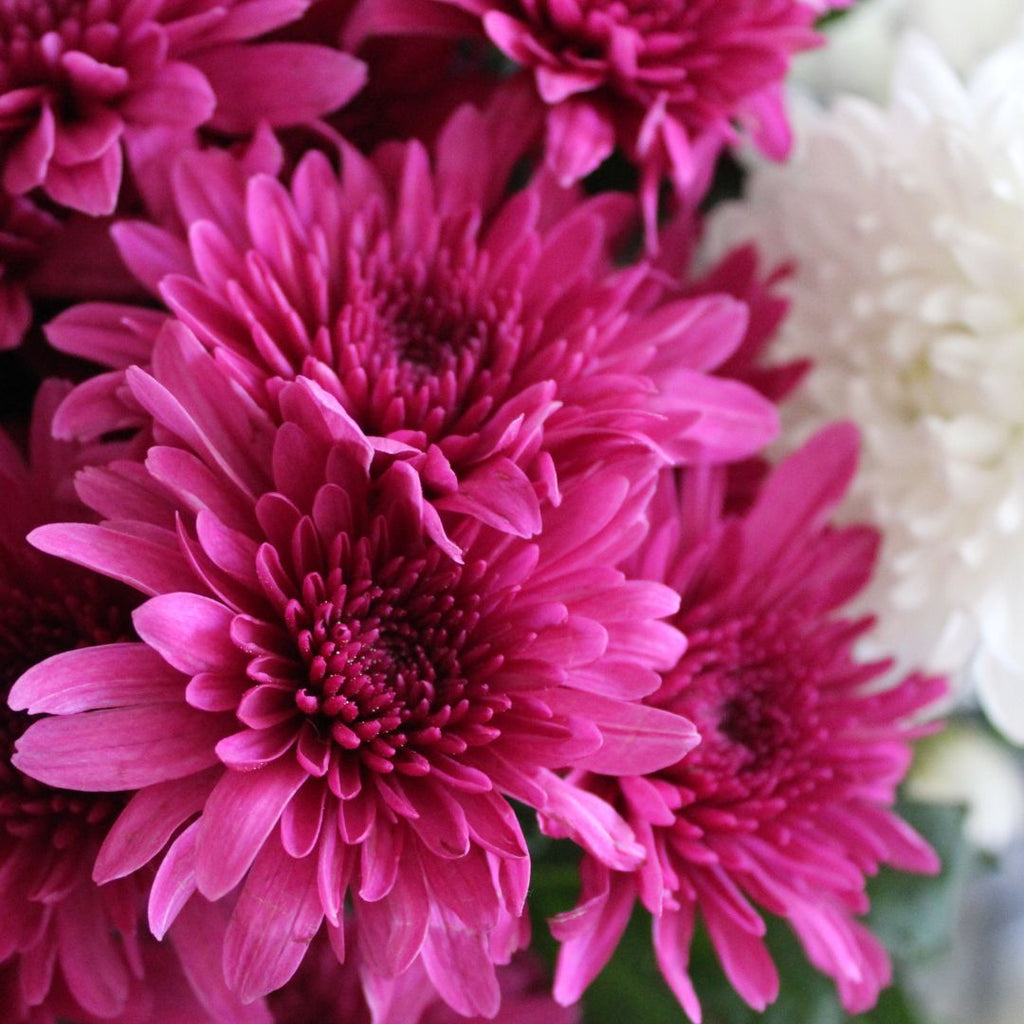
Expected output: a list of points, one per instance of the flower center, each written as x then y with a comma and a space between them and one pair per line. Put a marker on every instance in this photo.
749, 686
416, 346
392, 668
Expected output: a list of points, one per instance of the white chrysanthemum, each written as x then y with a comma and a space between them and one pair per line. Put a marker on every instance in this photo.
907, 225
862, 44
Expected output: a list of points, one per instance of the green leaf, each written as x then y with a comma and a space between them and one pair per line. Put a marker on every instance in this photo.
914, 915
631, 987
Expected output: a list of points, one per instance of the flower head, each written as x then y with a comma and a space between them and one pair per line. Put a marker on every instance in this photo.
66, 946
786, 802
76, 75
665, 81
495, 333
908, 276
346, 687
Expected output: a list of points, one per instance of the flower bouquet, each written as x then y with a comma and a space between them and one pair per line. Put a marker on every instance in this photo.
487, 515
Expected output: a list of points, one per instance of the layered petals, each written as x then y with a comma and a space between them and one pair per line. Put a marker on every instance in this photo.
785, 804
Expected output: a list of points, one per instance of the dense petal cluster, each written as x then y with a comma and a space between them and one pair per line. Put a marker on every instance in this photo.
786, 802
76, 75
407, 543
66, 947
497, 334
909, 278
322, 991
664, 81
367, 683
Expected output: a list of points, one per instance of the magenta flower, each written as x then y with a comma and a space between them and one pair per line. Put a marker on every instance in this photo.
786, 802
664, 81
341, 690
75, 76
66, 946
497, 333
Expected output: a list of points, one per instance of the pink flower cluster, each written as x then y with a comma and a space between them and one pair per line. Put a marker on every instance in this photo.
398, 509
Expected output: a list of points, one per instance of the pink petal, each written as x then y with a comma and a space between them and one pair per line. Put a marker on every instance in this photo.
586, 950
493, 824
557, 84
573, 813
464, 888
737, 942
277, 916
27, 162
254, 748
91, 187
103, 81
398, 17
579, 140
124, 489
151, 254
15, 315
90, 960
149, 819
239, 816
280, 83
145, 565
735, 421
175, 882
637, 740
802, 492
673, 933
95, 407
500, 495
392, 930
177, 95
459, 964
109, 676
441, 824
119, 748
191, 632
380, 862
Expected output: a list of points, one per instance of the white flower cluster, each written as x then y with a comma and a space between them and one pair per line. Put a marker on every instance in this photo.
907, 228
862, 44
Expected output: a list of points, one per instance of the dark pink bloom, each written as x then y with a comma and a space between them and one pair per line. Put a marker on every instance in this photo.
497, 333
67, 947
786, 803
340, 689
77, 75
664, 81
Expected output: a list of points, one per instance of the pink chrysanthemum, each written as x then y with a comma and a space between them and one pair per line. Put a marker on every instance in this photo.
497, 333
665, 81
786, 802
66, 947
76, 75
339, 690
